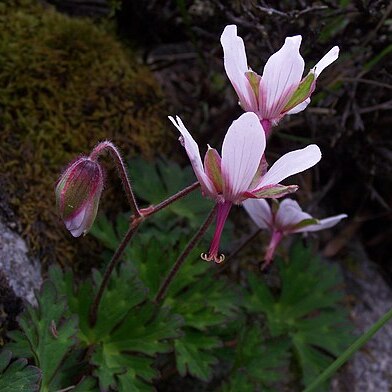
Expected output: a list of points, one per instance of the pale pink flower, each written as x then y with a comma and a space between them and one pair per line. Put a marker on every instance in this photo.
284, 219
281, 89
236, 174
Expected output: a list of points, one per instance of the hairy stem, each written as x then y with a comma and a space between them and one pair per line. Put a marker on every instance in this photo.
153, 209
182, 257
115, 154
109, 269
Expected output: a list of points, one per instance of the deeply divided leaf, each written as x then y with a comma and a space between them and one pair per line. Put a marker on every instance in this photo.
49, 331
130, 330
306, 309
17, 376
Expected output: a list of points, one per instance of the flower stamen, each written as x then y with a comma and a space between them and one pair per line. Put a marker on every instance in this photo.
211, 257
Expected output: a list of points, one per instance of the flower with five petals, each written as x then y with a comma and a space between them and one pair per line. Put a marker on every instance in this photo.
236, 174
281, 89
283, 219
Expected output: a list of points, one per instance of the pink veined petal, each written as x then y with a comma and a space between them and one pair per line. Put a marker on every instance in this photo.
328, 59
236, 65
299, 107
192, 149
260, 212
324, 224
289, 214
242, 149
282, 75
291, 163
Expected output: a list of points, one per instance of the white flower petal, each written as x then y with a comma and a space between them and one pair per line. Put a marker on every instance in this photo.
324, 224
289, 214
76, 225
192, 149
259, 211
282, 75
328, 59
242, 149
291, 163
236, 66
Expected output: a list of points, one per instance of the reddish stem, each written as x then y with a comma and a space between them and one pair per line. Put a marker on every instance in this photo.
153, 209
115, 154
182, 257
274, 242
105, 280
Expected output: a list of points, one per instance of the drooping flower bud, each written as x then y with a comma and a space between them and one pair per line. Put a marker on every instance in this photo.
78, 191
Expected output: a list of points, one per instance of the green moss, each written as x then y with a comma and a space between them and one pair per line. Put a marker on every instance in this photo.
64, 85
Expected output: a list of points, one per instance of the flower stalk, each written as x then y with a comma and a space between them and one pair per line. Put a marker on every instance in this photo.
182, 257
108, 272
118, 161
154, 209
135, 223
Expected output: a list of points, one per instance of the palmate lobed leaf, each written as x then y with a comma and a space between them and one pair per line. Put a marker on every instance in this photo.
48, 334
17, 376
201, 299
257, 362
194, 354
130, 330
306, 309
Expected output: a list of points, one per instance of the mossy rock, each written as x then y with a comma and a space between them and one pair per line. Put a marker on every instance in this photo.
65, 84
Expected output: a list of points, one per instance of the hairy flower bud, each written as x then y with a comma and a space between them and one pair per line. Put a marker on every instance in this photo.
78, 191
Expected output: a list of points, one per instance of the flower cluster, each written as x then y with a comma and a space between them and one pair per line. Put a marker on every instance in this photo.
239, 174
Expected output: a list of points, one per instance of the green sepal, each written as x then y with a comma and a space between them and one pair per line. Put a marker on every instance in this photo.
212, 166
302, 92
305, 223
261, 170
254, 81
271, 191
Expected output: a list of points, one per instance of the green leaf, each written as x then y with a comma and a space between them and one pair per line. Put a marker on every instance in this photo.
257, 363
153, 255
194, 354
130, 330
17, 376
49, 330
201, 299
306, 309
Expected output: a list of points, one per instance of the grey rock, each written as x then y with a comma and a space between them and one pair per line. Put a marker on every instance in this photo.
370, 369
22, 272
